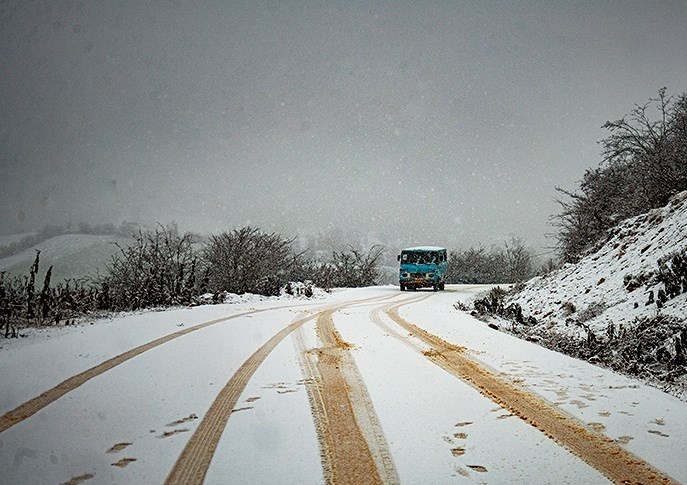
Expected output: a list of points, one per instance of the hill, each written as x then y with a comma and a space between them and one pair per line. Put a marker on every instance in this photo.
73, 256
623, 305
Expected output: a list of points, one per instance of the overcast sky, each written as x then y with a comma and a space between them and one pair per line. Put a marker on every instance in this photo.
427, 122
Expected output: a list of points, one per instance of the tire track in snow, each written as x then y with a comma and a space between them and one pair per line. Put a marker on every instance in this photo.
32, 406
600, 452
352, 444
192, 465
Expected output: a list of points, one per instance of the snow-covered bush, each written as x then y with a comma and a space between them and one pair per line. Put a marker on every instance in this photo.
494, 303
248, 260
672, 272
158, 269
349, 268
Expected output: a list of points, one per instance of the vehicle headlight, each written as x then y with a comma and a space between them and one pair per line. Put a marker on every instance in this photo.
405, 275
430, 275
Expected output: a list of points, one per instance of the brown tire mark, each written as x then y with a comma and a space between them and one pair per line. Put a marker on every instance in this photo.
31, 407
313, 385
192, 465
600, 452
352, 444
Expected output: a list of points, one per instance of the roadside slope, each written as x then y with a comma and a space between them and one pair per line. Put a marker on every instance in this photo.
619, 275
624, 305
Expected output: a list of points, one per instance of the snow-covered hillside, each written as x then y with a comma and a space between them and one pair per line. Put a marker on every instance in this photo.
613, 285
627, 280
71, 255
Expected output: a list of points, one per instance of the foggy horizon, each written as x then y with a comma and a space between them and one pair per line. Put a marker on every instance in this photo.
442, 123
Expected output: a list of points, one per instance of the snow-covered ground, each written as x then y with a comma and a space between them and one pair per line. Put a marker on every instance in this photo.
596, 284
623, 305
131, 423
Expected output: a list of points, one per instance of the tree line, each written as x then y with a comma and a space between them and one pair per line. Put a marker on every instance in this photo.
644, 164
513, 263
163, 268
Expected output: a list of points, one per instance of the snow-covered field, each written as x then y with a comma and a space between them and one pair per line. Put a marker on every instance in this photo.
130, 423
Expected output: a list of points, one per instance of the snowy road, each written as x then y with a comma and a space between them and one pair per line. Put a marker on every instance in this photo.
365, 386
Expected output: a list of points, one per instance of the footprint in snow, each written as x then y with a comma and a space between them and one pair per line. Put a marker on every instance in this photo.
167, 434
118, 447
124, 462
598, 427
79, 479
579, 404
244, 408
190, 417
458, 451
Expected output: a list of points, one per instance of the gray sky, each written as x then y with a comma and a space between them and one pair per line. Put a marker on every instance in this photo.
441, 122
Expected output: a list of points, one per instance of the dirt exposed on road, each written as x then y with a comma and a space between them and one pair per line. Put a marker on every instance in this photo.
600, 452
352, 444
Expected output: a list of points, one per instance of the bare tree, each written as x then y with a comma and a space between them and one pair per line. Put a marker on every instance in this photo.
511, 264
518, 261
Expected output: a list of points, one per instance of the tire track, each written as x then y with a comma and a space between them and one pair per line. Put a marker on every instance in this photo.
316, 399
32, 406
600, 452
192, 465
352, 444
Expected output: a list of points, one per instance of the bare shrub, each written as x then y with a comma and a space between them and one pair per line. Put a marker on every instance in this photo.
672, 272
592, 311
248, 260
21, 305
159, 268
476, 265
349, 268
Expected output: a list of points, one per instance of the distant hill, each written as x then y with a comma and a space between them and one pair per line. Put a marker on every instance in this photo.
13, 238
73, 256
